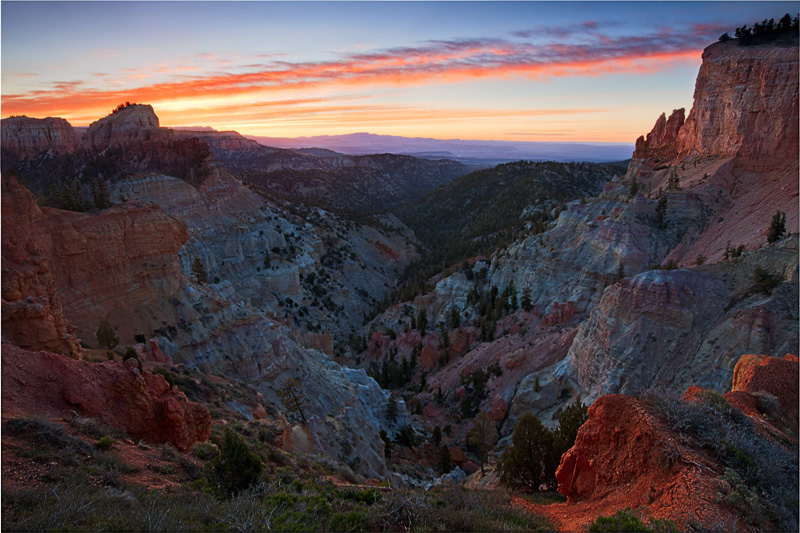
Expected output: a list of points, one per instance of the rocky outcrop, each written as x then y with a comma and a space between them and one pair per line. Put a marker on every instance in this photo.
626, 456
33, 317
675, 328
758, 375
136, 123
28, 137
142, 405
745, 105
661, 139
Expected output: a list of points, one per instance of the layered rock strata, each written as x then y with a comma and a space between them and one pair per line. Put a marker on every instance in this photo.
28, 137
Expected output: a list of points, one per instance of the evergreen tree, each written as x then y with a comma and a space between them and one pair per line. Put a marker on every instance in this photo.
422, 321
437, 435
445, 461
391, 409
661, 211
198, 270
674, 182
526, 302
528, 461
455, 318
777, 228
292, 395
621, 271
482, 436
106, 335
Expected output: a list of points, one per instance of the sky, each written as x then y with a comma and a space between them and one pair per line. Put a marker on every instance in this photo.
525, 71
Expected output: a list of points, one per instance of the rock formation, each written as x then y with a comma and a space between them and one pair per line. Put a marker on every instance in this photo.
142, 405
661, 140
32, 313
745, 105
626, 456
134, 123
28, 137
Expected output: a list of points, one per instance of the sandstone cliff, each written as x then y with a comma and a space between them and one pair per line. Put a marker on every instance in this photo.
745, 105
28, 137
32, 311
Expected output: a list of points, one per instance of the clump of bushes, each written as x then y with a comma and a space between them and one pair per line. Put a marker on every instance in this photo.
626, 520
535, 451
762, 472
105, 443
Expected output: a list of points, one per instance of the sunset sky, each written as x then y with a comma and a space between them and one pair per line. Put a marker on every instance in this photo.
561, 71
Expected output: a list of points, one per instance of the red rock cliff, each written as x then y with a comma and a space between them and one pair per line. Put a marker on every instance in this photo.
24, 136
661, 139
745, 104
119, 263
32, 312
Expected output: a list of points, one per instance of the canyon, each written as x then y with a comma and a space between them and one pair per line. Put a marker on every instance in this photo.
220, 256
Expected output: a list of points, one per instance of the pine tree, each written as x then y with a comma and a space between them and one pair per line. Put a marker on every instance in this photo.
482, 436
198, 270
527, 462
437, 435
661, 211
777, 228
445, 461
292, 395
526, 302
391, 409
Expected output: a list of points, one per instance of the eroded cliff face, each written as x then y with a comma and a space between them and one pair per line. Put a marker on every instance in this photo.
313, 271
32, 313
135, 123
122, 264
28, 137
119, 264
745, 105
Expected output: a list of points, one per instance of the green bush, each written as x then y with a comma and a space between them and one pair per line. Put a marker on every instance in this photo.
237, 467
105, 443
622, 521
352, 521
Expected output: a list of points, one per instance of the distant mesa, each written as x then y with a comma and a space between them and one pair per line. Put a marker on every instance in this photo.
27, 137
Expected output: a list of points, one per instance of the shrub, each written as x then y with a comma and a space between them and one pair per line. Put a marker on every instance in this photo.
535, 451
622, 521
106, 335
237, 467
764, 281
759, 464
105, 443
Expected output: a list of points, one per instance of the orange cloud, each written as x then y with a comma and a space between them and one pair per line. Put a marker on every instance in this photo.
246, 96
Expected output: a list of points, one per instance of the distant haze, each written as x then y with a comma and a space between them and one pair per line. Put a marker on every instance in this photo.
468, 151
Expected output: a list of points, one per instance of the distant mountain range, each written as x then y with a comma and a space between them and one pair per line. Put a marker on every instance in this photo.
483, 153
